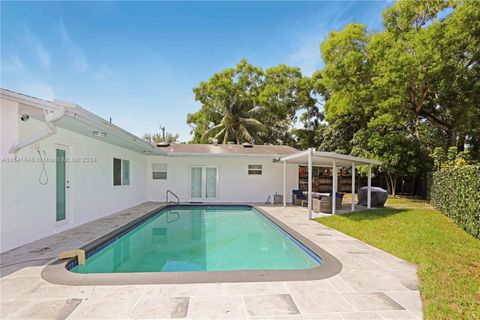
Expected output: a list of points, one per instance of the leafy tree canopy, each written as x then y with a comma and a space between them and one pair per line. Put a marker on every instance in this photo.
249, 104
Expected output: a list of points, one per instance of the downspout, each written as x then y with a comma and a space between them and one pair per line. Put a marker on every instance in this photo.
50, 118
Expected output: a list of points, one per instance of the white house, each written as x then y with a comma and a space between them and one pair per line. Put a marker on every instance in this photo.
63, 166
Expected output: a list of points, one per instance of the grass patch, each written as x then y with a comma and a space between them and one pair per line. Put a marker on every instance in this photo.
447, 258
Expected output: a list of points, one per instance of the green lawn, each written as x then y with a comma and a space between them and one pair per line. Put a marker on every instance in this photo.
447, 258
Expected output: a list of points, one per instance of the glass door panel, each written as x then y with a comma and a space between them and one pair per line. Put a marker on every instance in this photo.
61, 185
196, 182
211, 183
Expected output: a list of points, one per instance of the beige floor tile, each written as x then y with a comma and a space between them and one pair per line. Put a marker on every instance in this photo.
151, 291
249, 288
161, 308
398, 315
47, 309
372, 301
11, 288
221, 307
9, 307
323, 316
47, 290
129, 292
410, 300
196, 289
313, 297
96, 308
270, 305
26, 272
339, 284
408, 278
357, 262
371, 281
361, 316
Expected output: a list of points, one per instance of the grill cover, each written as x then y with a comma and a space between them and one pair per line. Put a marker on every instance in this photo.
379, 196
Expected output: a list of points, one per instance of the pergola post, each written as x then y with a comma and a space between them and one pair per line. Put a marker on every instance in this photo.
284, 184
334, 186
353, 187
369, 186
310, 184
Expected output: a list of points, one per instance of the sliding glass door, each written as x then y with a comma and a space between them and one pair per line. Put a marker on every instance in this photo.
203, 182
196, 182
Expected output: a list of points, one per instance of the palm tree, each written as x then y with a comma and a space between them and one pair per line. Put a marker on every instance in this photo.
237, 122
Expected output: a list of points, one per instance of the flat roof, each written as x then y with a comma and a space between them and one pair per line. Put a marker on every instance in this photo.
185, 149
325, 159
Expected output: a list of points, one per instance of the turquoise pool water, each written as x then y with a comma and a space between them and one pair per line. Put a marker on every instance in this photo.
204, 238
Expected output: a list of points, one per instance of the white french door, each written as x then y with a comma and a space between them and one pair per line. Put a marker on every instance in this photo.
203, 182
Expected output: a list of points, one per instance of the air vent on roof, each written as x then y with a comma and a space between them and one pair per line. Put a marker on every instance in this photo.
99, 134
215, 142
163, 144
247, 145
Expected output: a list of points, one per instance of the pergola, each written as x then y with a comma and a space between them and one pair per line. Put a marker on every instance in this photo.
332, 160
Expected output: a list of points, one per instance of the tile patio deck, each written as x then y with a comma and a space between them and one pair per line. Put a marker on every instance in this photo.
372, 284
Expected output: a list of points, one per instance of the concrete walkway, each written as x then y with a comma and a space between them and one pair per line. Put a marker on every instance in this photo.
372, 284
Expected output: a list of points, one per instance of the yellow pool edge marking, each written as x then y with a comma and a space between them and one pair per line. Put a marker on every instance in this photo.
79, 253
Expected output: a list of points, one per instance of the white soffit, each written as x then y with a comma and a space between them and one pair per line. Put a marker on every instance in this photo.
325, 159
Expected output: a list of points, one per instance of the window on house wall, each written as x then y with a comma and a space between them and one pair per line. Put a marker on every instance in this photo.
159, 171
117, 172
254, 169
121, 172
126, 172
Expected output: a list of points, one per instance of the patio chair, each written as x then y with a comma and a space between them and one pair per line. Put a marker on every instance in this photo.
324, 204
297, 197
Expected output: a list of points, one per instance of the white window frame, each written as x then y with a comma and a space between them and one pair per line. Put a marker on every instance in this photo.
255, 169
203, 183
161, 168
122, 167
129, 172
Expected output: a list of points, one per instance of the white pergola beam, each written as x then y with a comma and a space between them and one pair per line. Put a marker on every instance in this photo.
310, 175
334, 186
284, 184
353, 187
327, 157
369, 186
296, 155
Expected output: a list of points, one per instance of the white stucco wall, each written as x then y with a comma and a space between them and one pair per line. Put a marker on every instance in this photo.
28, 209
234, 183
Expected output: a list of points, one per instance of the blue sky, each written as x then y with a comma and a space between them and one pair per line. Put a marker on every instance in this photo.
138, 62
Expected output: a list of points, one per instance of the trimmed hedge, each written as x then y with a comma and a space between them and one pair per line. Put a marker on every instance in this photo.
456, 192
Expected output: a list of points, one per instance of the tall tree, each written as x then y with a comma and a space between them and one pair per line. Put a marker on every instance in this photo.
237, 122
159, 137
431, 65
255, 104
227, 96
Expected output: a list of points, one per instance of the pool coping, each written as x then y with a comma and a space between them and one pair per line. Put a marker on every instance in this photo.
58, 273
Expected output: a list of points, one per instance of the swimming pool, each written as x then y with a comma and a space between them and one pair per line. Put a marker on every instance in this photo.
202, 238
198, 243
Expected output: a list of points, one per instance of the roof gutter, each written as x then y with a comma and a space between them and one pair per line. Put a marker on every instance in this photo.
221, 155
87, 117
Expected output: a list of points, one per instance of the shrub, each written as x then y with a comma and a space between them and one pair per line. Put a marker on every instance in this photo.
456, 192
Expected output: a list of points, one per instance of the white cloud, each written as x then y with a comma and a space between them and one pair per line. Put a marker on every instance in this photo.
305, 51
306, 56
37, 89
38, 48
73, 51
306, 40
102, 73
13, 64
